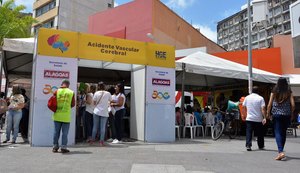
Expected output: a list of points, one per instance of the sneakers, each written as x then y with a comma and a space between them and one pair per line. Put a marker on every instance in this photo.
64, 150
248, 148
55, 150
5, 141
115, 141
109, 140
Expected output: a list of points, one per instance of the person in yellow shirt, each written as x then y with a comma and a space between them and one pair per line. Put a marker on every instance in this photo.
62, 116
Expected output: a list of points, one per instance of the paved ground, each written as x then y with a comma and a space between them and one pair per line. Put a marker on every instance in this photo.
185, 155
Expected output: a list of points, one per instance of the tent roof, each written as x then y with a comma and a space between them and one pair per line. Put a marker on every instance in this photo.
21, 45
200, 65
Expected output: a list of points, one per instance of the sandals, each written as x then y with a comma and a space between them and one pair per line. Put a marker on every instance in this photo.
280, 156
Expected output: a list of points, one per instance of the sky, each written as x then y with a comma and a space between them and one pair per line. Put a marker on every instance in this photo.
203, 14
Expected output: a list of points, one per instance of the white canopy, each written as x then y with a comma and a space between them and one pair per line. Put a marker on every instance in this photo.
204, 64
21, 45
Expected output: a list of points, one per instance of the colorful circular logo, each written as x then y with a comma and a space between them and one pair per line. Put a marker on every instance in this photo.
57, 42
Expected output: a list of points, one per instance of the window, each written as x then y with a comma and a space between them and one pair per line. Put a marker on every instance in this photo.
277, 11
49, 24
254, 37
109, 5
270, 32
286, 16
285, 6
278, 19
262, 35
44, 9
262, 44
287, 26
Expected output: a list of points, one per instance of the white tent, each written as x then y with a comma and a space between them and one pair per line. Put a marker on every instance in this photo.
200, 65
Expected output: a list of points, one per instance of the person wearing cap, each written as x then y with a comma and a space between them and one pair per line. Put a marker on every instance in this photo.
62, 116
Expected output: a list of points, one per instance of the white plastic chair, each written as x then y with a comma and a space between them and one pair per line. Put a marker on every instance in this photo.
209, 123
201, 128
189, 123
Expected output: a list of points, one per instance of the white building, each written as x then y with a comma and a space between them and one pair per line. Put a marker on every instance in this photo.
233, 31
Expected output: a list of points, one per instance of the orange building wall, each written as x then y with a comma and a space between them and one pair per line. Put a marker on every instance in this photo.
264, 59
169, 28
287, 56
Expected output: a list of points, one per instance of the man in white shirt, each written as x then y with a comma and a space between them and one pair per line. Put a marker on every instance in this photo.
255, 107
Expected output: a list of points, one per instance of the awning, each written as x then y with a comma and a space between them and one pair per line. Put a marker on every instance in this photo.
207, 70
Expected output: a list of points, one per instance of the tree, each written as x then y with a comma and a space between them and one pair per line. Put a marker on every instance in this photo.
13, 23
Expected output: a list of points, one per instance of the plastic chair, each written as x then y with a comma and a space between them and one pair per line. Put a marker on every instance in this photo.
209, 123
201, 128
189, 123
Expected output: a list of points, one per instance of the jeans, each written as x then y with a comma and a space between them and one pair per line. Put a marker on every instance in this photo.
24, 123
64, 128
119, 123
13, 119
281, 124
79, 121
257, 127
99, 125
111, 120
88, 124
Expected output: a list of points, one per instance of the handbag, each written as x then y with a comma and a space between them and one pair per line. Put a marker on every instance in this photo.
52, 103
3, 106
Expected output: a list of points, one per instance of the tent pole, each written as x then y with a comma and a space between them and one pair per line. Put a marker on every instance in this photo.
182, 91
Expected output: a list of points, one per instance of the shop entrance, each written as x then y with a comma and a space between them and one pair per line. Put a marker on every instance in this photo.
92, 76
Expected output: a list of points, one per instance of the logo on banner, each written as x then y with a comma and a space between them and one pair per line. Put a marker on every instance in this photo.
58, 42
56, 74
160, 95
164, 82
161, 55
48, 89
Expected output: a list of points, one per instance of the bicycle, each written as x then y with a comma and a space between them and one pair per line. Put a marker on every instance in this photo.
229, 126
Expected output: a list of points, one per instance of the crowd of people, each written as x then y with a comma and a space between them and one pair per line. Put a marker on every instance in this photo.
280, 110
100, 108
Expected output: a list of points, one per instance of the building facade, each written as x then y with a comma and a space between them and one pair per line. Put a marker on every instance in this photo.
150, 21
233, 31
67, 14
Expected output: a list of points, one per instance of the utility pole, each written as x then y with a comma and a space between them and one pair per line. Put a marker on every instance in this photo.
250, 75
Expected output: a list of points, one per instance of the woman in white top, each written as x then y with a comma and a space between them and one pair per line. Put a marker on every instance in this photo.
118, 103
101, 101
14, 113
89, 112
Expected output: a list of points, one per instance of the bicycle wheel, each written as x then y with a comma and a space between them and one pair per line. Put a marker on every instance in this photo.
217, 131
232, 129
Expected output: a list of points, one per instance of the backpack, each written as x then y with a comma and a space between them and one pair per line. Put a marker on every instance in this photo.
52, 103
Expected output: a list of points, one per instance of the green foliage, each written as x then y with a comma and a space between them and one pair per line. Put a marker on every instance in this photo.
14, 24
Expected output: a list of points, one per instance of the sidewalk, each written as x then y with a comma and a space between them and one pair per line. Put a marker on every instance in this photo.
183, 156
